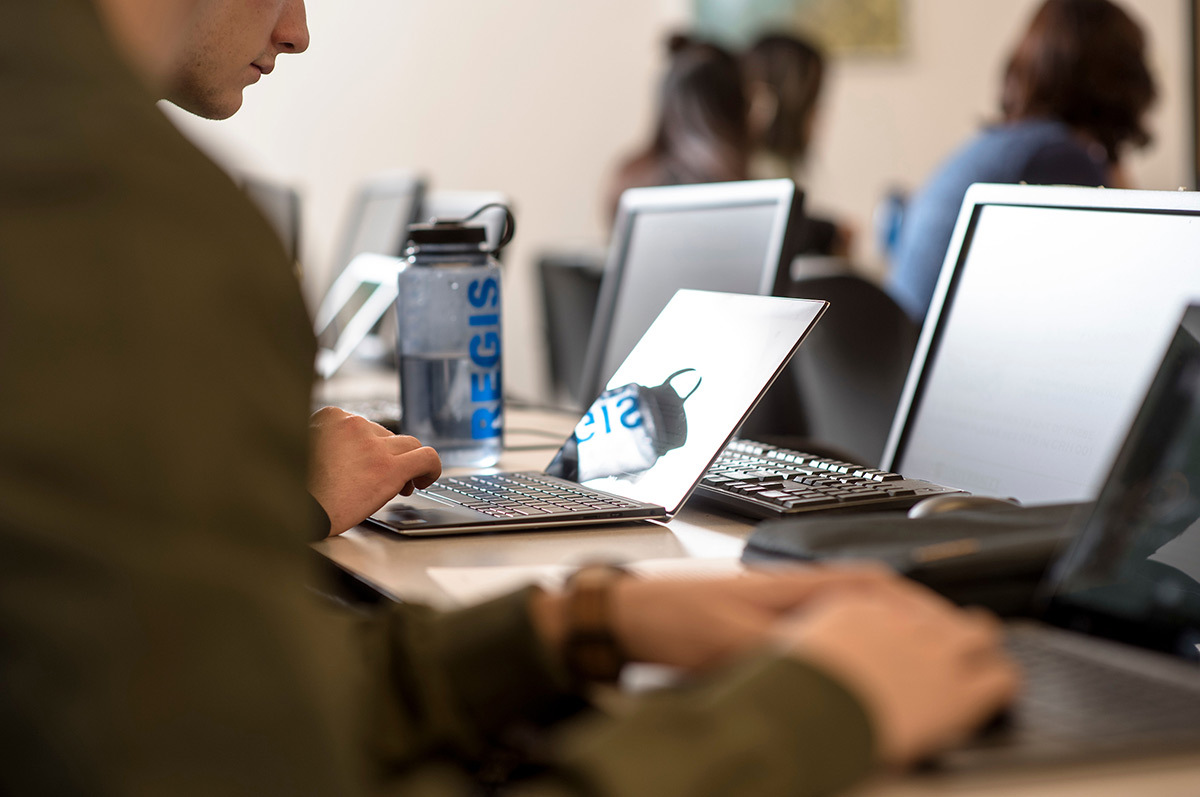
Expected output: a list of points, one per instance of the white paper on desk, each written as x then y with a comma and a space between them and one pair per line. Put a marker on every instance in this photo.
468, 585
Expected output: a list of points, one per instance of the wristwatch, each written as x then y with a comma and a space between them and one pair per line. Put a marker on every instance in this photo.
591, 651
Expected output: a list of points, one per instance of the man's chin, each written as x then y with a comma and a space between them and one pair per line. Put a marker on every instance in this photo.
207, 107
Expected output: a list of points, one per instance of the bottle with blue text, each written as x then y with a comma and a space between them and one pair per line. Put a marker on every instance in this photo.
450, 343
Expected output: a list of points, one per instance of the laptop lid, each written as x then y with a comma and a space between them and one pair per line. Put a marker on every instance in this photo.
1133, 571
1053, 309
676, 400
719, 237
688, 384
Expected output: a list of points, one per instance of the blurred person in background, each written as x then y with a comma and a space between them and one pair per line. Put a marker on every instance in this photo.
701, 133
1075, 93
784, 75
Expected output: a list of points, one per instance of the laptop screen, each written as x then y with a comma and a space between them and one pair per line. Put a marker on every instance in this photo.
688, 384
1133, 572
1056, 305
719, 237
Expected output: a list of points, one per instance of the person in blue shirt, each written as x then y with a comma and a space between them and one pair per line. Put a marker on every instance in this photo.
1075, 93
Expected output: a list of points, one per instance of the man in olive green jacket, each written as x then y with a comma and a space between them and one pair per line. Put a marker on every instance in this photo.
156, 632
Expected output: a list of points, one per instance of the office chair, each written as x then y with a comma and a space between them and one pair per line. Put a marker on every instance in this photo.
851, 370
280, 204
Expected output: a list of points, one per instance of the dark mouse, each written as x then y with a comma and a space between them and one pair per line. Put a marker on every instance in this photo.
956, 502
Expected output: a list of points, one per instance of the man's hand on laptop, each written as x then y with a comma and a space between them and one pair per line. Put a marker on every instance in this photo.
356, 466
926, 672
701, 623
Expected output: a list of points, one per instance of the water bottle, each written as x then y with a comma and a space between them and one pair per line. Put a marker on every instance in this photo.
449, 340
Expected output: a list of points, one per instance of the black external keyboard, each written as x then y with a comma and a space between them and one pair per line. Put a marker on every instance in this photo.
764, 481
508, 495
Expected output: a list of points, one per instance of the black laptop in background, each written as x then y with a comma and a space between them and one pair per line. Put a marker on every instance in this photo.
1113, 666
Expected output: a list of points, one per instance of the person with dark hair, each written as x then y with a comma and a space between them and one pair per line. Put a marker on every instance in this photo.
701, 133
784, 75
1075, 93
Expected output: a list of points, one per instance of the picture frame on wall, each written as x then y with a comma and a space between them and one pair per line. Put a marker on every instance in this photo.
841, 27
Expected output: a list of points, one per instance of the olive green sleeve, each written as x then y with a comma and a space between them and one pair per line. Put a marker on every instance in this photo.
472, 681
467, 678
773, 726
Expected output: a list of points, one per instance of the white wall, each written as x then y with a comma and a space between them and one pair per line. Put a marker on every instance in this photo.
538, 98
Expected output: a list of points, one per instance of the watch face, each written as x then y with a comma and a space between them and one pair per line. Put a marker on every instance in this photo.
590, 650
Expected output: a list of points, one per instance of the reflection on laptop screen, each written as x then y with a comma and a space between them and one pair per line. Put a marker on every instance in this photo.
677, 398
1052, 326
725, 237
1134, 570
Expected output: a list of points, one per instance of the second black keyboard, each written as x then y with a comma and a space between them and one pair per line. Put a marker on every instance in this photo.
765, 481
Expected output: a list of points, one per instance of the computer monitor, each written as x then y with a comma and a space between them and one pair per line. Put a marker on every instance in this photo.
1053, 308
378, 220
726, 237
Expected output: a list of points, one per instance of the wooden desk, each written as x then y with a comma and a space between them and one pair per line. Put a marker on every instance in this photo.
398, 566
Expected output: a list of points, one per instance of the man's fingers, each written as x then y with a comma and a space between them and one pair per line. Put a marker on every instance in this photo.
401, 443
1000, 680
980, 633
986, 617
919, 601
329, 415
784, 590
988, 690
419, 467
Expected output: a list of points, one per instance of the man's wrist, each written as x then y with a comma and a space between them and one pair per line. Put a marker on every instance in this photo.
546, 609
591, 650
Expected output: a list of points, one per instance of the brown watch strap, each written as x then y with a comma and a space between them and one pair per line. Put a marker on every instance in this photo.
591, 651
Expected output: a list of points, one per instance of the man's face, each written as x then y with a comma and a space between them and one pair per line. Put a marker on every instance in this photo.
230, 44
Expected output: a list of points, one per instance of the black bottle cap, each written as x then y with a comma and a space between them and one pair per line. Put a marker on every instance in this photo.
446, 234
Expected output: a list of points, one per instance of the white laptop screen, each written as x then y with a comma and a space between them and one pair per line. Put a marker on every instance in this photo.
687, 385
1051, 328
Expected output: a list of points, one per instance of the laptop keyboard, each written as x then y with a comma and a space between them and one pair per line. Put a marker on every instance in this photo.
1068, 694
514, 495
761, 480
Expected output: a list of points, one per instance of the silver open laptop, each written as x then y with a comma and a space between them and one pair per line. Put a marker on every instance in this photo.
1113, 665
644, 444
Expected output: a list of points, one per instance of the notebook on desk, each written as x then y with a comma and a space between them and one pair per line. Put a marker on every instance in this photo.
1113, 664
643, 445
